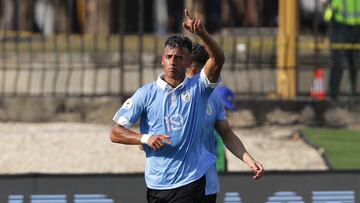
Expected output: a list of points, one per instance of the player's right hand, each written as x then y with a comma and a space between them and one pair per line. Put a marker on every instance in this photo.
192, 24
156, 142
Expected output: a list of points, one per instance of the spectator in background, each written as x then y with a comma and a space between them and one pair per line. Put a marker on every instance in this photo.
175, 15
240, 13
215, 119
269, 13
7, 14
209, 11
311, 15
344, 19
160, 16
212, 10
15, 15
44, 13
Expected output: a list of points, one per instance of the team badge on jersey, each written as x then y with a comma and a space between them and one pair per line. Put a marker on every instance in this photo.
209, 109
185, 96
128, 104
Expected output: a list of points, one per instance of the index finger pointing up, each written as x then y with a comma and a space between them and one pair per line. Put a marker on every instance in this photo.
187, 13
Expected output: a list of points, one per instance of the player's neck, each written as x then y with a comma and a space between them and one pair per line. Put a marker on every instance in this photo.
174, 82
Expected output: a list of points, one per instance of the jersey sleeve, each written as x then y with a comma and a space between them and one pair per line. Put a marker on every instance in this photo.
205, 83
219, 108
131, 109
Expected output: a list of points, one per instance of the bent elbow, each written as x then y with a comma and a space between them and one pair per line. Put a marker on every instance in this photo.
113, 138
115, 135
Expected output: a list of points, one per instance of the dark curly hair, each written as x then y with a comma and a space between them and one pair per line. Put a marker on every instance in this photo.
199, 55
179, 41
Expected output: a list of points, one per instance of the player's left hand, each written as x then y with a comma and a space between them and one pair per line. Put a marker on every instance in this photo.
258, 169
156, 142
192, 24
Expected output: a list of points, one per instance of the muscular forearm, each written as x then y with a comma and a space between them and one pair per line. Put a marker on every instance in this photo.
216, 56
234, 144
122, 135
248, 159
212, 48
119, 134
237, 148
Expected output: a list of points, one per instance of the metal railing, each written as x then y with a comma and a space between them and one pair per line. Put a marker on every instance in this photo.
110, 48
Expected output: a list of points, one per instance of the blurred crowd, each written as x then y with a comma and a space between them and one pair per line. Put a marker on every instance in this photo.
106, 16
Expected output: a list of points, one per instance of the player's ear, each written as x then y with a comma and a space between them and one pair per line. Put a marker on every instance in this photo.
189, 62
193, 71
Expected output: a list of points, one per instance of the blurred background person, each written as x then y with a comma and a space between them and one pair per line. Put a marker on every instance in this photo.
226, 96
44, 15
175, 13
217, 124
160, 16
344, 19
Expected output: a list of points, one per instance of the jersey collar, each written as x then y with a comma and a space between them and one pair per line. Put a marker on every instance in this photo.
165, 86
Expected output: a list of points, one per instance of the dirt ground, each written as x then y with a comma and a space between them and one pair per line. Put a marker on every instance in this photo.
86, 148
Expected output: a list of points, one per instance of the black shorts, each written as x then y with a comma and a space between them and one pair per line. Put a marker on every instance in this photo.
210, 198
191, 193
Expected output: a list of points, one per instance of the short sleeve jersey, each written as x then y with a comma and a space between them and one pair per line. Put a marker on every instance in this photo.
178, 112
215, 111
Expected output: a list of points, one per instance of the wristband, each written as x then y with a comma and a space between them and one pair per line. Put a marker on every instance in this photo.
144, 139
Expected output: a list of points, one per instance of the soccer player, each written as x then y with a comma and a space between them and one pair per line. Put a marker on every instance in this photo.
216, 118
172, 116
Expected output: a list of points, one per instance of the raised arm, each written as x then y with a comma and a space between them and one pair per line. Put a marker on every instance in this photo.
237, 148
216, 59
122, 135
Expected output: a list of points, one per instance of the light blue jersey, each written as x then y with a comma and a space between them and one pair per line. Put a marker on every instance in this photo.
178, 112
215, 112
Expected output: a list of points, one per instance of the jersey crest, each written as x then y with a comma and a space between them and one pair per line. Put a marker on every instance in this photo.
185, 96
128, 104
209, 110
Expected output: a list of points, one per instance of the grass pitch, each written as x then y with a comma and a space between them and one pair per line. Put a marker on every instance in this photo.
342, 146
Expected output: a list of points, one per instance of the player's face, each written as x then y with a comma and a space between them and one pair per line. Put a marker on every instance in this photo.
175, 62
